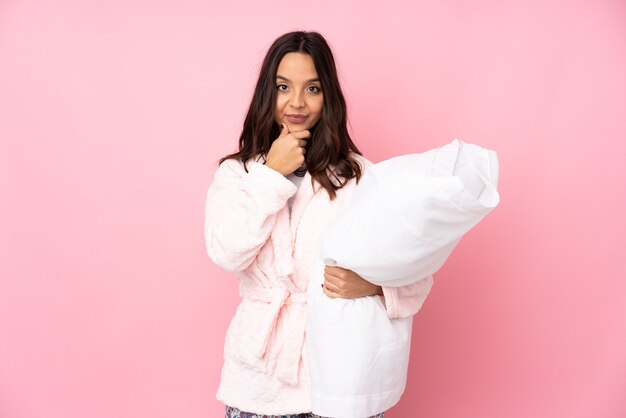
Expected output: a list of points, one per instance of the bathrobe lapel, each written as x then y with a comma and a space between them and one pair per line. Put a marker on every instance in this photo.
286, 231
283, 239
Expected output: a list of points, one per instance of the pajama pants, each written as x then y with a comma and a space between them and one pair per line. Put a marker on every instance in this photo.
236, 413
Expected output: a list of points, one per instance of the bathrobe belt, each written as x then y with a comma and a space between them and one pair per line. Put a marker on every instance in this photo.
294, 326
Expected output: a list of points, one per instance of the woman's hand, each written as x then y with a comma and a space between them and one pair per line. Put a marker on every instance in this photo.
286, 154
346, 284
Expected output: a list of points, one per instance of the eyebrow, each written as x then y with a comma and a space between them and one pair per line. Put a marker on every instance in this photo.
308, 81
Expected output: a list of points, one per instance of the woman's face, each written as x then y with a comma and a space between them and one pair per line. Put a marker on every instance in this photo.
299, 97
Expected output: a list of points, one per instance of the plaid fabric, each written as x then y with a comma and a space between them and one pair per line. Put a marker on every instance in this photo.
236, 413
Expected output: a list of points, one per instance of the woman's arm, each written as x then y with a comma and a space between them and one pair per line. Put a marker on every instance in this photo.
400, 301
240, 212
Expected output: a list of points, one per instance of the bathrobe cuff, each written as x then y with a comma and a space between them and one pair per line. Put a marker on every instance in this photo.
267, 186
406, 300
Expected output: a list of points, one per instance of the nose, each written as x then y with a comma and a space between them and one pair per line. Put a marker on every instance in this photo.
297, 100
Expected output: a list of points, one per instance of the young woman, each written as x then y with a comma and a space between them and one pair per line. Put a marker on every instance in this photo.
265, 211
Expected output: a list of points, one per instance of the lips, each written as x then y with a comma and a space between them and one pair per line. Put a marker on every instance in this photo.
296, 118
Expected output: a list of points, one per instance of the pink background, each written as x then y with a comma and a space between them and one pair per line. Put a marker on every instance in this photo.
112, 117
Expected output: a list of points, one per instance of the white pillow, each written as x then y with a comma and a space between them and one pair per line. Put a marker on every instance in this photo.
403, 221
408, 213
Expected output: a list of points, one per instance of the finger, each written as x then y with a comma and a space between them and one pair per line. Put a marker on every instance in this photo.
335, 283
301, 134
335, 271
302, 142
329, 285
330, 293
284, 129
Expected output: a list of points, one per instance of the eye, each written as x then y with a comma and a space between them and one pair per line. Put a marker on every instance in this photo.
280, 87
314, 89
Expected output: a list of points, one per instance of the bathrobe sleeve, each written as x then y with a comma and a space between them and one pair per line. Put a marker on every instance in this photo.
406, 300
240, 211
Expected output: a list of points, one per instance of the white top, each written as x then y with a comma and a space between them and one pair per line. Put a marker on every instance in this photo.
297, 180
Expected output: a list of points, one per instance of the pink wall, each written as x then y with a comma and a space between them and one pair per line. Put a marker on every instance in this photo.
112, 118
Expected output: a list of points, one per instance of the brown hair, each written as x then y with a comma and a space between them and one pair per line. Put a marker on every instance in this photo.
329, 143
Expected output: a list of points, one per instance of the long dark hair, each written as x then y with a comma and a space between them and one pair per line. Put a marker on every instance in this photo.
330, 144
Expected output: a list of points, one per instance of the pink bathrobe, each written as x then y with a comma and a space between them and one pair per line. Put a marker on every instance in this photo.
249, 230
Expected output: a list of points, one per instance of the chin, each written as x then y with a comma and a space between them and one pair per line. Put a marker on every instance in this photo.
294, 127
